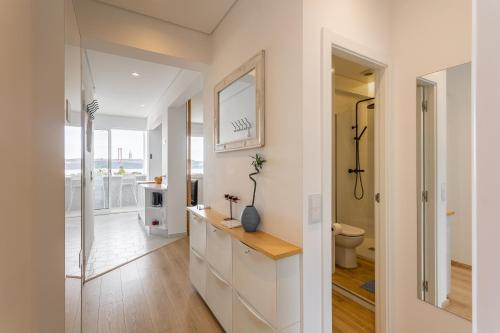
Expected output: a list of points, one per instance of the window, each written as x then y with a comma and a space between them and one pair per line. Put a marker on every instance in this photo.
72, 150
196, 154
128, 152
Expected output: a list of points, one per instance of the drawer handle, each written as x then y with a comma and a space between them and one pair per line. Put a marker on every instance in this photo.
218, 276
197, 254
253, 312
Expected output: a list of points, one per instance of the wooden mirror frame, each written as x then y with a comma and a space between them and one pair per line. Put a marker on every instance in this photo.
257, 62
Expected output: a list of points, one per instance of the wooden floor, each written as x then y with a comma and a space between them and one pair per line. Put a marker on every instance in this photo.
72, 306
460, 295
350, 317
353, 279
151, 294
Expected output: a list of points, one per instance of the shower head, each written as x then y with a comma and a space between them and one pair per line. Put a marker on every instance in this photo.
371, 106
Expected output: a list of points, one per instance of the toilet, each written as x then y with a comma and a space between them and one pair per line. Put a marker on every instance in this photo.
347, 238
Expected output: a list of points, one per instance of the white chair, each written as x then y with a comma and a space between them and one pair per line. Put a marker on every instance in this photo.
128, 181
75, 183
99, 188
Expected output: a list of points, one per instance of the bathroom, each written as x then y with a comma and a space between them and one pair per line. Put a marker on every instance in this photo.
354, 113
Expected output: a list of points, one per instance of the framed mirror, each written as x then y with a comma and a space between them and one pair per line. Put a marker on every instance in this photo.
239, 107
444, 189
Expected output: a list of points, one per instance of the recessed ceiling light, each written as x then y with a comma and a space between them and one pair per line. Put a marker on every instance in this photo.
142, 105
135, 74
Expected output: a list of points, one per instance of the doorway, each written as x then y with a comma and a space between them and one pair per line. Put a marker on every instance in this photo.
353, 142
349, 158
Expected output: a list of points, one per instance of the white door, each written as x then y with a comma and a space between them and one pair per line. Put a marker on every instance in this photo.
87, 166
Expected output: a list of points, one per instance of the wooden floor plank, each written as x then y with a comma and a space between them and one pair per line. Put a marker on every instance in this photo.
111, 318
350, 317
73, 305
91, 295
137, 319
353, 279
150, 295
460, 295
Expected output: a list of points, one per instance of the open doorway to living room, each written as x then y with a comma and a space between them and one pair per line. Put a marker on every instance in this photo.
137, 115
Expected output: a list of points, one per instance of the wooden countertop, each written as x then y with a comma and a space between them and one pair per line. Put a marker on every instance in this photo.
153, 186
263, 242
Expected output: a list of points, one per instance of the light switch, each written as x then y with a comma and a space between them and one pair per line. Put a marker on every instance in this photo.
315, 208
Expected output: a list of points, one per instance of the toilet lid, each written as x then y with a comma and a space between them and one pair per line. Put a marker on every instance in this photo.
349, 230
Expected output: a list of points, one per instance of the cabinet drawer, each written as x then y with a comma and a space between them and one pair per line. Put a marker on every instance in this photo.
220, 298
197, 234
219, 252
198, 272
255, 279
247, 319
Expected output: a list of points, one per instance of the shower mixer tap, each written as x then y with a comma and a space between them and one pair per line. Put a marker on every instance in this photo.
357, 138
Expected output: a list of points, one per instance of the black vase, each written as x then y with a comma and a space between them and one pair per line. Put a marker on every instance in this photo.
250, 219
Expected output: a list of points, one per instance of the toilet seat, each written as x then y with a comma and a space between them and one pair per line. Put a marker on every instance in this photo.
351, 231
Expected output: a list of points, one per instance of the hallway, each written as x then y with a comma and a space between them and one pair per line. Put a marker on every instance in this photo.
151, 294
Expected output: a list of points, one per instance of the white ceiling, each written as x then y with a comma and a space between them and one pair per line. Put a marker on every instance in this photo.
120, 93
200, 15
352, 70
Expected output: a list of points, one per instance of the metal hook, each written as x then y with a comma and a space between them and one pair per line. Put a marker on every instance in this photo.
241, 124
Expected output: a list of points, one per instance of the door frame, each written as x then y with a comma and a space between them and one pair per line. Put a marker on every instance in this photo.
335, 44
188, 160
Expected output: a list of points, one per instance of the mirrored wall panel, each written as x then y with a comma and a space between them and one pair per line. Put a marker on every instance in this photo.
444, 158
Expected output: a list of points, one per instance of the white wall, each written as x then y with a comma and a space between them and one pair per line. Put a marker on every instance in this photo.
176, 193
417, 49
251, 26
117, 31
358, 213
459, 177
197, 108
44, 170
366, 23
486, 70
186, 84
154, 155
16, 92
106, 121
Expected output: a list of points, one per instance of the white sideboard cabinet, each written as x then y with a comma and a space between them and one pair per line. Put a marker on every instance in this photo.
250, 281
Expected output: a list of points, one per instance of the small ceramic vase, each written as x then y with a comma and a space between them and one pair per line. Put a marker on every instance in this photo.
250, 219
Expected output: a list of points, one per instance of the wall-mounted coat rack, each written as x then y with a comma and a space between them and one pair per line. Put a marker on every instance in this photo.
242, 124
